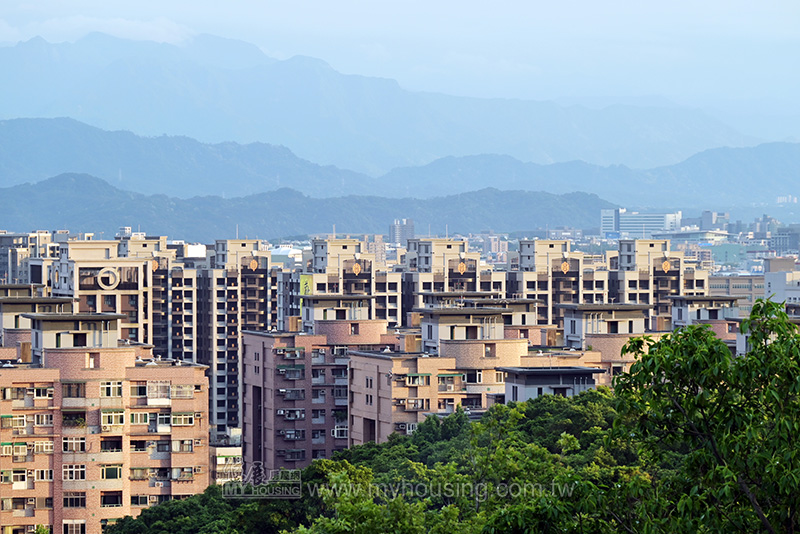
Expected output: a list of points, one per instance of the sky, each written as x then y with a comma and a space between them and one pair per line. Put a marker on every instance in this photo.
740, 57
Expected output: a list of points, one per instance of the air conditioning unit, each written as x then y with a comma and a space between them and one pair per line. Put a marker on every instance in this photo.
400, 426
198, 469
322, 351
198, 443
282, 432
281, 392
279, 351
198, 415
29, 391
31, 500
450, 387
106, 428
21, 431
280, 412
159, 484
282, 371
153, 498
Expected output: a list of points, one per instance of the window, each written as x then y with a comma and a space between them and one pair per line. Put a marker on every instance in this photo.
76, 390
110, 472
112, 418
158, 389
111, 389
473, 377
17, 421
139, 389
368, 400
182, 419
44, 419
140, 418
182, 391
74, 499
43, 447
139, 500
369, 382
74, 472
43, 393
162, 446
73, 444
499, 377
182, 445
182, 473
44, 475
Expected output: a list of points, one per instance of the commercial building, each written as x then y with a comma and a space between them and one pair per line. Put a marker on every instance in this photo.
620, 222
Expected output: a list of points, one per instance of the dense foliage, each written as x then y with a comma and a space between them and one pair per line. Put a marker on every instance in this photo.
693, 440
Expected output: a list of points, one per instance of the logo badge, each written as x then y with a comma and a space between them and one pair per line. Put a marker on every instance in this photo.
565, 267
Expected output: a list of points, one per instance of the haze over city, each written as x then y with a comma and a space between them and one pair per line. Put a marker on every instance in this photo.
409, 267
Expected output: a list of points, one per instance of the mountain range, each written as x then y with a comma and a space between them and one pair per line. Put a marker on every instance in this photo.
84, 203
32, 150
218, 90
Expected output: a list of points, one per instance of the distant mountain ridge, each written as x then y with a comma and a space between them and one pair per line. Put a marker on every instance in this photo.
83, 203
35, 149
219, 90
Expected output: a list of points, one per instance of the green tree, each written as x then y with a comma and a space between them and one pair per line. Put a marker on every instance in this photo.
736, 418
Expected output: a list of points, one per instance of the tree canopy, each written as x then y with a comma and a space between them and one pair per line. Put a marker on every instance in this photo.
693, 439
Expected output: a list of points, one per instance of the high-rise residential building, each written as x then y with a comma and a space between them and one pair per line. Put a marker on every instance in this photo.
296, 393
94, 430
190, 301
400, 231
549, 271
340, 267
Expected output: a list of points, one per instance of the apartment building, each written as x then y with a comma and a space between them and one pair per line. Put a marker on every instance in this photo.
549, 271
525, 383
648, 272
395, 391
94, 429
94, 273
15, 326
721, 314
296, 394
442, 266
747, 287
340, 267
16, 250
604, 327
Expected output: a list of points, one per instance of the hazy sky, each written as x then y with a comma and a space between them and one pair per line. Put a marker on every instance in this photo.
709, 52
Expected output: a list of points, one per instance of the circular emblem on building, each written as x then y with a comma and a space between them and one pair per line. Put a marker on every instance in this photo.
665, 266
356, 269
462, 268
108, 278
565, 267
253, 264
154, 265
